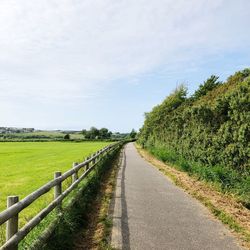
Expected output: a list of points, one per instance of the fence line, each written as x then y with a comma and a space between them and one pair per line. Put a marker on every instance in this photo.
14, 206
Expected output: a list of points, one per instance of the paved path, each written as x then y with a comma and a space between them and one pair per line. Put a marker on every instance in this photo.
152, 213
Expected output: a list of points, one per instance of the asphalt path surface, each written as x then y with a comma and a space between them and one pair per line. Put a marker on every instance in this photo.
150, 212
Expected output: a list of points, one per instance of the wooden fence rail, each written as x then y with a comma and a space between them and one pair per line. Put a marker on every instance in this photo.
14, 206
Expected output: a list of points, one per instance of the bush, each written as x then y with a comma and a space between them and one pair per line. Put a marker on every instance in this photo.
66, 137
210, 129
213, 129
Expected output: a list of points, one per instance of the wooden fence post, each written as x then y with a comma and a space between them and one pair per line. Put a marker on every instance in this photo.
12, 223
87, 165
58, 188
94, 159
75, 175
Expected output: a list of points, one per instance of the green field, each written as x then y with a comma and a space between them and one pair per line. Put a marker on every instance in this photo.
25, 166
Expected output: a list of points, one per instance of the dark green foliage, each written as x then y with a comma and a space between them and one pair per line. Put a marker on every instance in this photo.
226, 178
104, 133
95, 133
132, 134
207, 86
66, 137
211, 128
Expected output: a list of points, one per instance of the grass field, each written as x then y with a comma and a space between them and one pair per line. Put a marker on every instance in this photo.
25, 166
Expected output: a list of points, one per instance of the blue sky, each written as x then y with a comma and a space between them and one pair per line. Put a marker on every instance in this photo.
72, 64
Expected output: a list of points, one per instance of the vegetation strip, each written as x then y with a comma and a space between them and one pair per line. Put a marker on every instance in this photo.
225, 207
206, 134
76, 217
98, 231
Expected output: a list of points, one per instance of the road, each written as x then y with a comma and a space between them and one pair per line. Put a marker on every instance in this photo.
150, 212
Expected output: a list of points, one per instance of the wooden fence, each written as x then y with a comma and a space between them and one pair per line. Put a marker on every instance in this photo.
10, 216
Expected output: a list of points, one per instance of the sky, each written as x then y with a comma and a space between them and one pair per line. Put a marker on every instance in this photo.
73, 64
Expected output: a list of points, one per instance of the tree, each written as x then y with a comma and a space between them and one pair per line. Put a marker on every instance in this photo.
93, 133
104, 133
132, 134
84, 132
66, 137
177, 98
211, 83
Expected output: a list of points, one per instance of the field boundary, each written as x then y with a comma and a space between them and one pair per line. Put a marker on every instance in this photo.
14, 235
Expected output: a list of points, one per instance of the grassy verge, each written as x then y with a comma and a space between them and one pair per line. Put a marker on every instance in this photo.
96, 235
223, 178
222, 205
79, 215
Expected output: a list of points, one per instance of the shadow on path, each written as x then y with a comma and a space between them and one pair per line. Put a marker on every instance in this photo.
124, 219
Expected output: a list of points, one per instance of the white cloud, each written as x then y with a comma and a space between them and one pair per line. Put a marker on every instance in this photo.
54, 50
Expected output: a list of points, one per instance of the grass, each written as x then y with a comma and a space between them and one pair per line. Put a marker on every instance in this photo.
226, 219
223, 206
225, 179
97, 233
83, 213
25, 166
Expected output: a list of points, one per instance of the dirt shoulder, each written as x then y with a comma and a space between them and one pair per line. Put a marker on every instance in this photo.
223, 206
